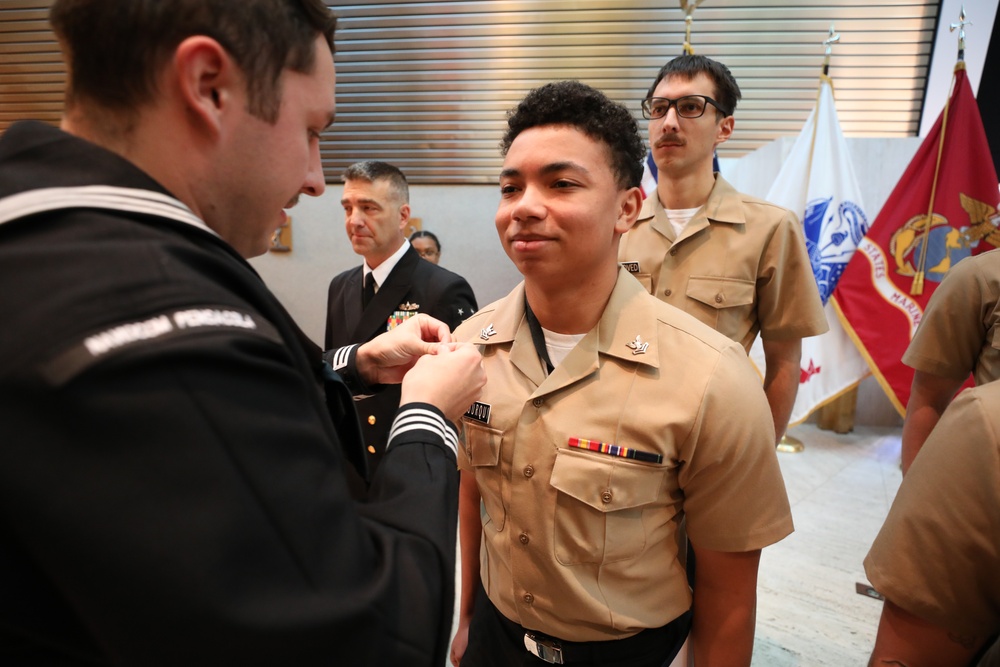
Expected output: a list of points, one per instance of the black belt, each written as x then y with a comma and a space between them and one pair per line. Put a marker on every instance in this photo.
669, 639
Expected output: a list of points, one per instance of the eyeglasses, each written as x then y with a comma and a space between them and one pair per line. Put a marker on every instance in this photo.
689, 106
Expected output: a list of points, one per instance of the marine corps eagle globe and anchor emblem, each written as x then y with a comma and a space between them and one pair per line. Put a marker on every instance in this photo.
946, 245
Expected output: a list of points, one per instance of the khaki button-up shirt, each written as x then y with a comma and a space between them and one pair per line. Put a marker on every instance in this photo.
582, 544
959, 333
936, 555
740, 266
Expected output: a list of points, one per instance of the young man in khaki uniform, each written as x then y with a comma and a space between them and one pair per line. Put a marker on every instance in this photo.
608, 417
958, 336
737, 263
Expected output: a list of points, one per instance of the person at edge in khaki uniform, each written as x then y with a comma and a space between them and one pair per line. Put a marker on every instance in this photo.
936, 559
958, 336
737, 263
607, 418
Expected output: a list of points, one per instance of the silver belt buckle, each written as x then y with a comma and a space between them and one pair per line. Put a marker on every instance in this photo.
548, 650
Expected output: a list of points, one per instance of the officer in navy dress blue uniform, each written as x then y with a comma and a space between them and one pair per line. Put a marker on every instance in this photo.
377, 213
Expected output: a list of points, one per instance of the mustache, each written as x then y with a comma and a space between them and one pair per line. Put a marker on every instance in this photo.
668, 139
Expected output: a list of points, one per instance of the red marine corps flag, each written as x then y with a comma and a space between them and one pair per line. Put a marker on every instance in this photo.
942, 210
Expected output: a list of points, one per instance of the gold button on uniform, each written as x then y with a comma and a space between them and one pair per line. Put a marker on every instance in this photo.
528, 471
528, 598
718, 298
371, 450
606, 496
524, 538
667, 292
673, 251
537, 402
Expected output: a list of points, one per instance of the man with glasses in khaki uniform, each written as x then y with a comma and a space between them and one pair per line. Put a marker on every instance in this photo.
608, 417
737, 263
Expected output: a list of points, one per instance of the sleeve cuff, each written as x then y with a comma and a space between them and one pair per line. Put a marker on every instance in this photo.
422, 422
343, 361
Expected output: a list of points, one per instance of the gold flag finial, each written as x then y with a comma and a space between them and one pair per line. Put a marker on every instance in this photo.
689, 6
961, 32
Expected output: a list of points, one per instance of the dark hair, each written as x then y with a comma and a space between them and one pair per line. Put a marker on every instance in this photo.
115, 48
590, 111
373, 170
421, 234
727, 92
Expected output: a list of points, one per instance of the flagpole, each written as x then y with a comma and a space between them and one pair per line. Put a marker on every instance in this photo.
689, 6
917, 287
824, 76
832, 39
790, 444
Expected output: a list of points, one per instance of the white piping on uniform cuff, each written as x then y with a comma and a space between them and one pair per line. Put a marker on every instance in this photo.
422, 419
341, 357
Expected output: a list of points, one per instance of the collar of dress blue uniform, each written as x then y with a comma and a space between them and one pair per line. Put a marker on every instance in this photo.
631, 312
384, 270
107, 197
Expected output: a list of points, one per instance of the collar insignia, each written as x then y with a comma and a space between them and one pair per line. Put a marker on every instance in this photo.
637, 346
487, 332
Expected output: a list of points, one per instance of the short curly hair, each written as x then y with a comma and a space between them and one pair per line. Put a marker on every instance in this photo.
589, 110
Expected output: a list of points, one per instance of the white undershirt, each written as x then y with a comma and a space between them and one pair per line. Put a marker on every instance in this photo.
559, 345
679, 217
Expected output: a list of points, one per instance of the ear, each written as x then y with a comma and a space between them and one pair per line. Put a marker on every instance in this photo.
208, 81
404, 216
725, 130
628, 211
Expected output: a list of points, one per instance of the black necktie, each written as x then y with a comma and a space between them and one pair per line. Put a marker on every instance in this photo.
369, 291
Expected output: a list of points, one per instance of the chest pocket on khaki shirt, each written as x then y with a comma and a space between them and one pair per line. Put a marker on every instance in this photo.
727, 301
600, 505
483, 447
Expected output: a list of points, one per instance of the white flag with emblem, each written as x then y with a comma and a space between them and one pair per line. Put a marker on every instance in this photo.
817, 182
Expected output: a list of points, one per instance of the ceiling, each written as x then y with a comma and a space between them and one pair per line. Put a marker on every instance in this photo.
426, 85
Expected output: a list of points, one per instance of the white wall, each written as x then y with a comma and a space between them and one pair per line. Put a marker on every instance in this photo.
982, 14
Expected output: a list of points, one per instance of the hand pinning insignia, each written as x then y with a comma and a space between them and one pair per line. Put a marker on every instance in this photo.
487, 332
637, 346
